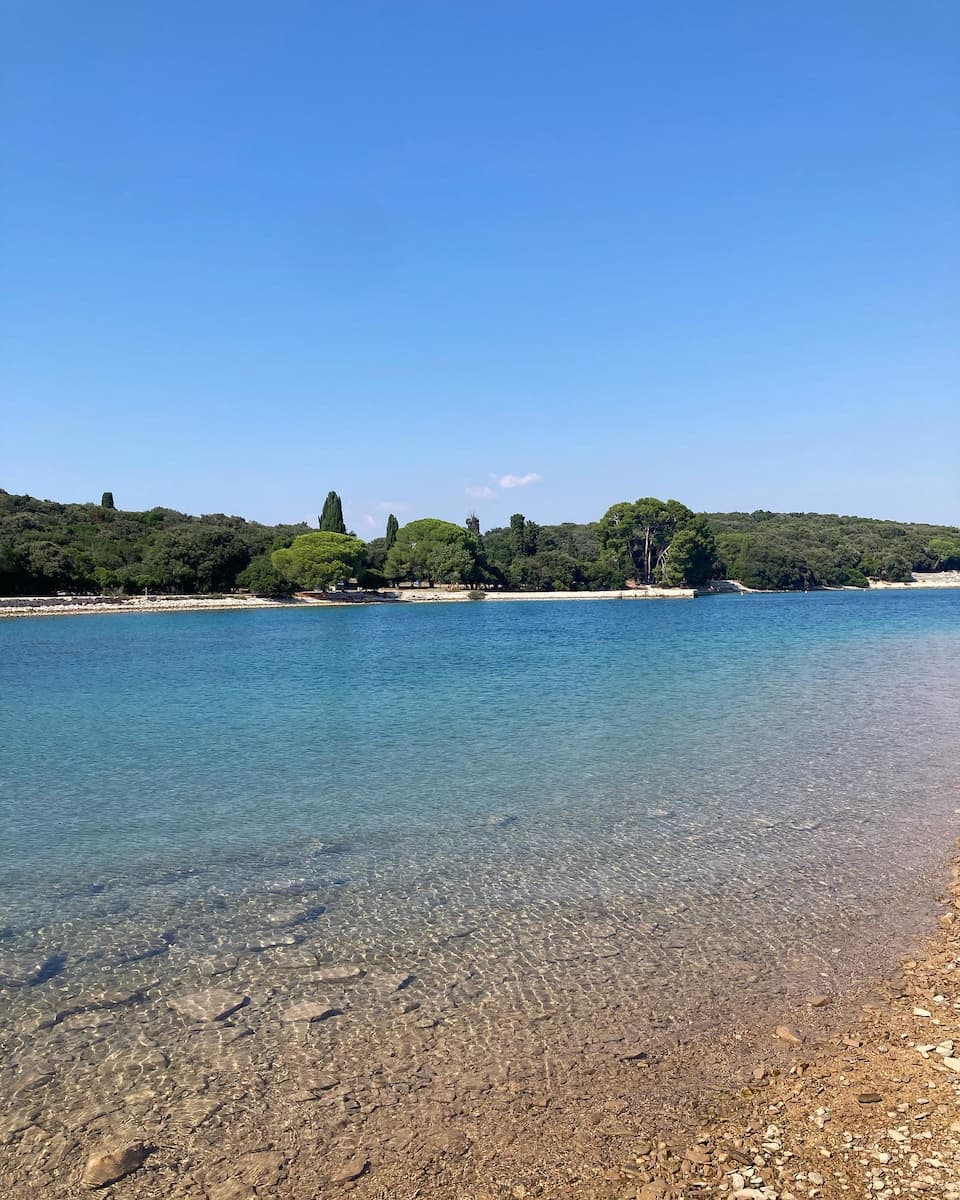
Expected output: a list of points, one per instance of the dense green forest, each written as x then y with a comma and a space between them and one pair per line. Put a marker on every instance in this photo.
47, 547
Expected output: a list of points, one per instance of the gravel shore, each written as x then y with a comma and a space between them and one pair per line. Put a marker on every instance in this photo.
874, 1111
829, 1106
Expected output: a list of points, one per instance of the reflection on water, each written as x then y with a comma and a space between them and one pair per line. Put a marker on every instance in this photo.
445, 858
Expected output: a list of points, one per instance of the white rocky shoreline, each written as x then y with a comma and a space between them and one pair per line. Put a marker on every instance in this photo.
77, 605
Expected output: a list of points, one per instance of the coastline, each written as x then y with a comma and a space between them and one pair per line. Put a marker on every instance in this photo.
872, 1110
926, 579
57, 606
844, 1103
439, 595
72, 606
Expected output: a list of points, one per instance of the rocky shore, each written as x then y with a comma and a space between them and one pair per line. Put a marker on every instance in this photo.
47, 606
923, 579
72, 606
253, 1076
50, 606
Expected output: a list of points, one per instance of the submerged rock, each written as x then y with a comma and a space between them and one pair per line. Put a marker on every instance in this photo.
297, 915
337, 974
261, 1168
107, 1166
16, 1123
310, 1011
395, 981
214, 1004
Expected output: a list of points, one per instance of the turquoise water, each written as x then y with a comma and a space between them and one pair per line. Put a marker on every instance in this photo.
202, 738
583, 818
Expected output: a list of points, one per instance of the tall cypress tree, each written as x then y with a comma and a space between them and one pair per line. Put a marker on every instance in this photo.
518, 534
331, 519
392, 526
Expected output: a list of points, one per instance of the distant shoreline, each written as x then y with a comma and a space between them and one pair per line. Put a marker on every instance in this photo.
72, 606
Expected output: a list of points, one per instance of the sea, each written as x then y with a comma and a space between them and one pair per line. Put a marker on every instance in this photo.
521, 843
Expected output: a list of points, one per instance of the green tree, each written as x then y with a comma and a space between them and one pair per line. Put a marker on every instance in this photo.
195, 558
436, 552
263, 578
767, 569
331, 519
316, 561
945, 552
639, 534
392, 526
691, 557
52, 568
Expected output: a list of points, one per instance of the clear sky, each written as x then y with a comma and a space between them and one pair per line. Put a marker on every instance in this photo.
420, 252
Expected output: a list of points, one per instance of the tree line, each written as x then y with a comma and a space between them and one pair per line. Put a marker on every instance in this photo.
48, 547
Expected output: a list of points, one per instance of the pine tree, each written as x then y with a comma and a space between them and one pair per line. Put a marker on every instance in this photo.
331, 519
106, 500
392, 526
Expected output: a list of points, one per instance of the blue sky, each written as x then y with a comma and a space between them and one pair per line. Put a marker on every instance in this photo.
493, 255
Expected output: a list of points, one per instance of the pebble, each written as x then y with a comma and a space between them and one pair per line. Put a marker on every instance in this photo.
453, 1143
231, 1189
786, 1033
353, 1168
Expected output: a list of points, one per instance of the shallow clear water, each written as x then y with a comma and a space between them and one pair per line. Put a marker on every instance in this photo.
211, 740
589, 812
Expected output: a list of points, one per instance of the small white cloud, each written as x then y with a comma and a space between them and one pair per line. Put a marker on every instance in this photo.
368, 520
515, 481
480, 493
